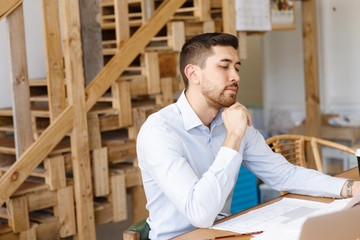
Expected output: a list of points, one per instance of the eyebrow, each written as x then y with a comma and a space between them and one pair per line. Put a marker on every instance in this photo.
229, 60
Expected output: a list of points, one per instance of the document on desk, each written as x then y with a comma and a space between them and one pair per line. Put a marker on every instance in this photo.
285, 216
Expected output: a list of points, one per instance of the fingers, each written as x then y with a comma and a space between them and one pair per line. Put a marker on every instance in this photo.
239, 106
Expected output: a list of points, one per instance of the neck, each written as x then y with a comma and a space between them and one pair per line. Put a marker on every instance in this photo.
203, 110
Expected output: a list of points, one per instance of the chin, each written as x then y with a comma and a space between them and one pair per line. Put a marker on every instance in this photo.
228, 103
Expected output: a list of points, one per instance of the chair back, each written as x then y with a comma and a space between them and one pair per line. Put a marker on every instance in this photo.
293, 148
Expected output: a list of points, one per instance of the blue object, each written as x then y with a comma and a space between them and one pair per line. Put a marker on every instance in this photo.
245, 192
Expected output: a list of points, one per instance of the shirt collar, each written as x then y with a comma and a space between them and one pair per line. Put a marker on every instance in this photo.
190, 119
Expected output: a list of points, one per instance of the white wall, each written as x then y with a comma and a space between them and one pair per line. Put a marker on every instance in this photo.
34, 49
339, 58
340, 55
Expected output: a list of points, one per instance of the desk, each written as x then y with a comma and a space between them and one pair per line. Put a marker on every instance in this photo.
205, 233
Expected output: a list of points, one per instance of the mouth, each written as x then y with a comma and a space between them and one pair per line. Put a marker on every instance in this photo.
232, 89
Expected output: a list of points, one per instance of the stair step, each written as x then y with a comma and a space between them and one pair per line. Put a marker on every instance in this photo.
38, 82
6, 112
38, 172
39, 98
7, 146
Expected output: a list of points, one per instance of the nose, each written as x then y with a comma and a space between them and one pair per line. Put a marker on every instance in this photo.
234, 76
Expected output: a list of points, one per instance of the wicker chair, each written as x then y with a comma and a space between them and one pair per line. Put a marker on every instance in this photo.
292, 147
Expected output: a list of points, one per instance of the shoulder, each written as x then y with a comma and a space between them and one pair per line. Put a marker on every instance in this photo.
162, 120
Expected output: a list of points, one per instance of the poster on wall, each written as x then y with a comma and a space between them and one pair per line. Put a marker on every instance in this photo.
282, 14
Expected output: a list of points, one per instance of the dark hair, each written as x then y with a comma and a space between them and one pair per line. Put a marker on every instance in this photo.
199, 48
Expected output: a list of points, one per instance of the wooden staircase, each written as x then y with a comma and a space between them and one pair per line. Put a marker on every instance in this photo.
77, 144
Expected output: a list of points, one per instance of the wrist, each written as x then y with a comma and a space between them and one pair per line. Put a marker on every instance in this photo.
232, 141
347, 191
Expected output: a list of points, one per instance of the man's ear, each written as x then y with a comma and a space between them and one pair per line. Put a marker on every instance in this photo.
192, 72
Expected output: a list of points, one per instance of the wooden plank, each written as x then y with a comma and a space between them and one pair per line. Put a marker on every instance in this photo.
195, 28
55, 176
79, 136
100, 171
138, 87
138, 200
228, 13
7, 6
103, 213
54, 58
120, 150
139, 118
118, 196
167, 65
311, 71
91, 38
132, 174
29, 234
38, 200
66, 210
19, 214
122, 102
11, 180
176, 30
19, 74
152, 72
242, 37
122, 28
48, 229
202, 11
94, 131
167, 91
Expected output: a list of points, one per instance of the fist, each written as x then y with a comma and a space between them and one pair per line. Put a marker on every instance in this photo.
236, 119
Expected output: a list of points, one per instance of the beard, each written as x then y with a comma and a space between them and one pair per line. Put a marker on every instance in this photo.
219, 98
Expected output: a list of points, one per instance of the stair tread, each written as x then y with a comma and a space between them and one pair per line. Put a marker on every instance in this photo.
8, 143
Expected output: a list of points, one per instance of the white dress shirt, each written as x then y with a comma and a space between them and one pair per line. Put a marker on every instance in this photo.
189, 177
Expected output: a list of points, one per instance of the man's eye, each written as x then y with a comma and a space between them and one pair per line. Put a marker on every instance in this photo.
224, 67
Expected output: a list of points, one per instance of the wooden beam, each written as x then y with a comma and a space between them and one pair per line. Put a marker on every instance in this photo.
311, 69
70, 16
19, 213
122, 102
66, 212
228, 13
118, 196
54, 58
91, 38
100, 171
7, 6
122, 28
37, 152
19, 74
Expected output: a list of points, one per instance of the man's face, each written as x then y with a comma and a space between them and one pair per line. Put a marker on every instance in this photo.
220, 77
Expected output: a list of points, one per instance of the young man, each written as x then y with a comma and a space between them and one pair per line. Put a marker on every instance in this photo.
190, 152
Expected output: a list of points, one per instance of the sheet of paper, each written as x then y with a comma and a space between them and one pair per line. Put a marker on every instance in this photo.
285, 216
253, 15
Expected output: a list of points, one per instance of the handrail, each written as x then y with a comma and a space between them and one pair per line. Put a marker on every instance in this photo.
38, 151
7, 6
